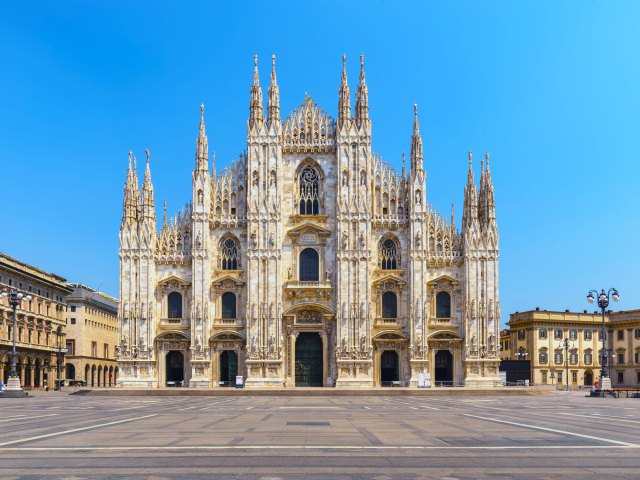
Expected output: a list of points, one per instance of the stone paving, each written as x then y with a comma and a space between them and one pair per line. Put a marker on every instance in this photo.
559, 435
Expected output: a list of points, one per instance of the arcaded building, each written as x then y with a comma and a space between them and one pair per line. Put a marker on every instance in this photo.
308, 261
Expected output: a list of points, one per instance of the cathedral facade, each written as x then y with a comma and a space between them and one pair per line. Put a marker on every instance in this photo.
308, 261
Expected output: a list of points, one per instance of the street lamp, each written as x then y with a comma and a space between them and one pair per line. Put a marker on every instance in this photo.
521, 354
565, 345
59, 355
603, 303
16, 297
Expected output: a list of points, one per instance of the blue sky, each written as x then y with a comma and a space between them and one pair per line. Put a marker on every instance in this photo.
551, 89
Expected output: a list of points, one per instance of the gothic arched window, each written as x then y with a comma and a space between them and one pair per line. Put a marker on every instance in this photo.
309, 192
389, 258
229, 255
174, 305
309, 265
228, 305
389, 305
443, 305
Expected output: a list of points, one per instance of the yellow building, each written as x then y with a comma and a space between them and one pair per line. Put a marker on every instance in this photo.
538, 336
40, 324
92, 336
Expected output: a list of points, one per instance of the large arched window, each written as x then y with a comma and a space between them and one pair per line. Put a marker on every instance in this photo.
443, 305
229, 254
174, 305
309, 192
389, 305
309, 265
389, 258
228, 305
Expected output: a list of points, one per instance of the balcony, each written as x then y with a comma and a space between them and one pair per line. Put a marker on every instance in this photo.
390, 323
227, 322
174, 323
297, 288
442, 320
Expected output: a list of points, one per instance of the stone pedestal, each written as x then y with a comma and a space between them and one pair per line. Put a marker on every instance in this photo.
417, 367
264, 374
605, 383
355, 374
482, 373
13, 389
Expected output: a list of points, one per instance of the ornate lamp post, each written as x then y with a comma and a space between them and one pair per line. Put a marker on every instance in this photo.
603, 303
16, 298
565, 345
59, 355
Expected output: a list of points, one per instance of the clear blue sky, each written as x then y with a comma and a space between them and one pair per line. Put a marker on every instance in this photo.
551, 89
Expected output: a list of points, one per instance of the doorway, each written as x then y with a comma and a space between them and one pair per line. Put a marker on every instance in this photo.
228, 368
309, 360
175, 368
444, 367
588, 377
389, 368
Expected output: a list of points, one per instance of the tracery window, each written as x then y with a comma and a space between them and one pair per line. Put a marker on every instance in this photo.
229, 256
309, 192
174, 305
309, 265
443, 305
228, 305
389, 305
389, 259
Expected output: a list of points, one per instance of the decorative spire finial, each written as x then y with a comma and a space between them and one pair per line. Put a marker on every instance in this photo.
470, 158
148, 154
486, 157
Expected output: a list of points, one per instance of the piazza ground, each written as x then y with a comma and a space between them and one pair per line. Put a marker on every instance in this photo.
558, 435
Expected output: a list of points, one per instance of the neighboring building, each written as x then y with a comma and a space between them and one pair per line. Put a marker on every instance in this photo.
505, 344
538, 336
309, 261
40, 322
92, 336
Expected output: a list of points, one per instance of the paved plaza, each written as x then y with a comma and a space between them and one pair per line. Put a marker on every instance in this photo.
559, 435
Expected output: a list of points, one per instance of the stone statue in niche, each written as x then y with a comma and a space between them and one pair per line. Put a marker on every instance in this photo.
327, 274
289, 273
345, 240
200, 197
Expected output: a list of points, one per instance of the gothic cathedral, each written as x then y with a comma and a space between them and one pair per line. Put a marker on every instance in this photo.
308, 261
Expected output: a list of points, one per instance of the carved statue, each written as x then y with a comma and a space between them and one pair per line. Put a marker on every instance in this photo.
327, 275
289, 273
344, 343
418, 241
345, 240
363, 342
125, 339
363, 241
142, 342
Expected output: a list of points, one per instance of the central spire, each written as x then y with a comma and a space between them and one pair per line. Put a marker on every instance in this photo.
202, 145
416, 142
344, 96
274, 96
256, 117
362, 97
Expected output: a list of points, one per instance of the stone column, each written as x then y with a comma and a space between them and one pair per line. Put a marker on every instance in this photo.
293, 338
325, 364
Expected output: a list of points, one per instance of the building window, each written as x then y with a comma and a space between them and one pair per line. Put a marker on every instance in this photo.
309, 192
94, 349
520, 334
600, 335
174, 304
542, 333
544, 376
229, 257
389, 255
73, 308
389, 305
557, 334
588, 334
573, 334
443, 305
620, 356
73, 321
638, 376
574, 377
71, 347
543, 357
637, 357
559, 376
228, 305
557, 358
573, 358
620, 377
106, 350
588, 358
620, 334
637, 333
309, 265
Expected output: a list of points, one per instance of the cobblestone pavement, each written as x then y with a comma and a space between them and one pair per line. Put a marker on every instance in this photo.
559, 435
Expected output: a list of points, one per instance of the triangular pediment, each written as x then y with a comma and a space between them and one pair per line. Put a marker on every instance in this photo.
390, 279
174, 280
227, 280
443, 279
308, 227
308, 127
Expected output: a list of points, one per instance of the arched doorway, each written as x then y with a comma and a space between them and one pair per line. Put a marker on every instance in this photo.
27, 373
389, 368
36, 374
228, 368
93, 375
71, 372
175, 368
100, 375
588, 377
309, 360
444, 367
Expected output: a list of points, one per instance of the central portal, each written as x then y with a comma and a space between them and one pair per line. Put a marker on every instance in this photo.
389, 368
175, 368
228, 368
444, 367
309, 360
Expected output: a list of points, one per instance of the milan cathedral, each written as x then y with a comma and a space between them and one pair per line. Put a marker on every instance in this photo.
308, 261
